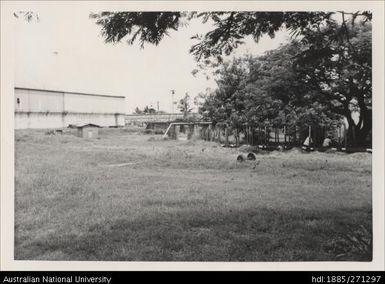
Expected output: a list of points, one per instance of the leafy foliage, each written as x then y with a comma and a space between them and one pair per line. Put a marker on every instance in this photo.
148, 27
149, 110
138, 111
230, 28
146, 110
184, 105
338, 62
264, 91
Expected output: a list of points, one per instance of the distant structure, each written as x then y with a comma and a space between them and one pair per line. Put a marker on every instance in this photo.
145, 119
88, 130
36, 108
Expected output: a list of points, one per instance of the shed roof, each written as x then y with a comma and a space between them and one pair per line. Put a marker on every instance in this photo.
88, 125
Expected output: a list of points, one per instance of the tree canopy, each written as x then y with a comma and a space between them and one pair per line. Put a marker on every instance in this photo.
148, 27
265, 91
230, 28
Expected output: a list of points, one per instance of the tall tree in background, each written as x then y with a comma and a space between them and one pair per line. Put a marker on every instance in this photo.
149, 110
227, 103
138, 111
184, 105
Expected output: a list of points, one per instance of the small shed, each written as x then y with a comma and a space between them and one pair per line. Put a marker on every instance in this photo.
88, 130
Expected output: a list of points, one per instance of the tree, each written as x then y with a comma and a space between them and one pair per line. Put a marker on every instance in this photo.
149, 110
339, 63
226, 104
184, 105
291, 100
138, 111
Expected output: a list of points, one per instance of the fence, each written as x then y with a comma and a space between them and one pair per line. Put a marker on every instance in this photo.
274, 136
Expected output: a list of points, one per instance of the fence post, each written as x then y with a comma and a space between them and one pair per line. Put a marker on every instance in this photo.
252, 135
300, 134
266, 137
278, 135
346, 137
275, 135
177, 129
339, 135
226, 136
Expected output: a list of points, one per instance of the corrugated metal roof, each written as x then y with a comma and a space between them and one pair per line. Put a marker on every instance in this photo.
68, 92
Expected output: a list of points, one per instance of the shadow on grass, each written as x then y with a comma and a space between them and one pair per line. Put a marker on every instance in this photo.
260, 234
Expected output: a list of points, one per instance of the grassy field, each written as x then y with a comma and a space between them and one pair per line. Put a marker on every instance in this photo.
129, 196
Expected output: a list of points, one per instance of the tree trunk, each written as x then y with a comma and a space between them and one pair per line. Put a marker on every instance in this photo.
365, 129
358, 133
226, 137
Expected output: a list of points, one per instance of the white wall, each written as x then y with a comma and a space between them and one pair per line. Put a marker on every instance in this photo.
55, 101
54, 109
93, 104
25, 120
38, 101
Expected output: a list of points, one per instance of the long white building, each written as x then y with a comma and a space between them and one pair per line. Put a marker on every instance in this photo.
35, 108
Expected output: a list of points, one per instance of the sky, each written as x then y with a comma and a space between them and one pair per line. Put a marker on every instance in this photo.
65, 51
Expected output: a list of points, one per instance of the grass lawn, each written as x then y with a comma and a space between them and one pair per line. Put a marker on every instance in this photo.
134, 197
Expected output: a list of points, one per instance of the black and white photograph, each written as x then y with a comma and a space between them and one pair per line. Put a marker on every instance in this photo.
196, 133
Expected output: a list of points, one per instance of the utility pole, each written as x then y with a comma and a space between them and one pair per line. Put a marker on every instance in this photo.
172, 101
157, 105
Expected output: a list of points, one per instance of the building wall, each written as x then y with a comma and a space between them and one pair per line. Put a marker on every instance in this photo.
60, 120
88, 132
93, 104
55, 109
38, 101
